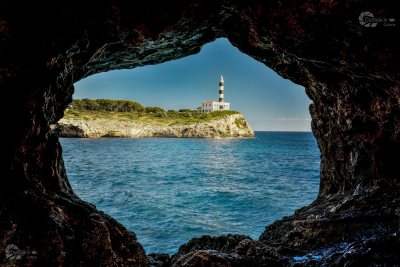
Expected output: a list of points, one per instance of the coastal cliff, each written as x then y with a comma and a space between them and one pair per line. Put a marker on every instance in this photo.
234, 125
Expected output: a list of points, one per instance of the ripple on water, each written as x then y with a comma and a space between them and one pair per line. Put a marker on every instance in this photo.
170, 190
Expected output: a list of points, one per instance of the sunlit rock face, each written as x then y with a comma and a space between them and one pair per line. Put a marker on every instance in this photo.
229, 126
349, 70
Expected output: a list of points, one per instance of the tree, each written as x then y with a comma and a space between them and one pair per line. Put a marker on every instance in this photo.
154, 110
107, 105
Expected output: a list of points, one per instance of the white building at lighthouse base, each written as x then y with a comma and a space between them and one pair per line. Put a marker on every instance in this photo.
212, 105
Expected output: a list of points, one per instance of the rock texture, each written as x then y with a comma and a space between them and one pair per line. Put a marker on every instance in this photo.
350, 72
228, 126
230, 250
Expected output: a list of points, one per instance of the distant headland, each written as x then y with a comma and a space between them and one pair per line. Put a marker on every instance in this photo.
89, 118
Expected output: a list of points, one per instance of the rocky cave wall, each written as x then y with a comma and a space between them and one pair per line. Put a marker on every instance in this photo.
350, 72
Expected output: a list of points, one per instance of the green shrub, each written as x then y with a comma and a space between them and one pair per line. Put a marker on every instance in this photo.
106, 105
185, 110
130, 110
153, 110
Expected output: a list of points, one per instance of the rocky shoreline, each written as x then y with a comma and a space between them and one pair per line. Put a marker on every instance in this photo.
230, 126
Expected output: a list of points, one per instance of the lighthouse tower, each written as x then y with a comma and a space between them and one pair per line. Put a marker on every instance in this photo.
221, 89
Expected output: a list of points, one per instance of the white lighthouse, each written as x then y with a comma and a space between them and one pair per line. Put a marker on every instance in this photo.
212, 105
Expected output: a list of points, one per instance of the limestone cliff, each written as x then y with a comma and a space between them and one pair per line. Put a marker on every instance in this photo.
228, 126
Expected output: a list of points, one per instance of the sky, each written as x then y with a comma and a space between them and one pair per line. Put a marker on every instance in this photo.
268, 101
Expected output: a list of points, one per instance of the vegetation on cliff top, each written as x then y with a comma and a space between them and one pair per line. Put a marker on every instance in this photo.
124, 110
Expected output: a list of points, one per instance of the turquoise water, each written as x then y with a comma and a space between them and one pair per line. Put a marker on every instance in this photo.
170, 190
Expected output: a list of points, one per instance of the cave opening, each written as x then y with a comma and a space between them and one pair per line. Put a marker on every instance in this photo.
348, 68
170, 190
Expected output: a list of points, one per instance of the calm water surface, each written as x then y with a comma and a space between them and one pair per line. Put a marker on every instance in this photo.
170, 190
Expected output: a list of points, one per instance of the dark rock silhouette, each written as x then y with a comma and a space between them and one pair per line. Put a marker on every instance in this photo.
349, 70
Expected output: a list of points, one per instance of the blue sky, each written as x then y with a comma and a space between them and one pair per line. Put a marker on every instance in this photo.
269, 102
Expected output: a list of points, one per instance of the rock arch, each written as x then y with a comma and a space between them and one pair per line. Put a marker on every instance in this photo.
350, 71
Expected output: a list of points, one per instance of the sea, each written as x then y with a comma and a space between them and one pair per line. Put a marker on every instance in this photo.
169, 190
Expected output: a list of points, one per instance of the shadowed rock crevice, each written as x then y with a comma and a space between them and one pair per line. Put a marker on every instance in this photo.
350, 72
